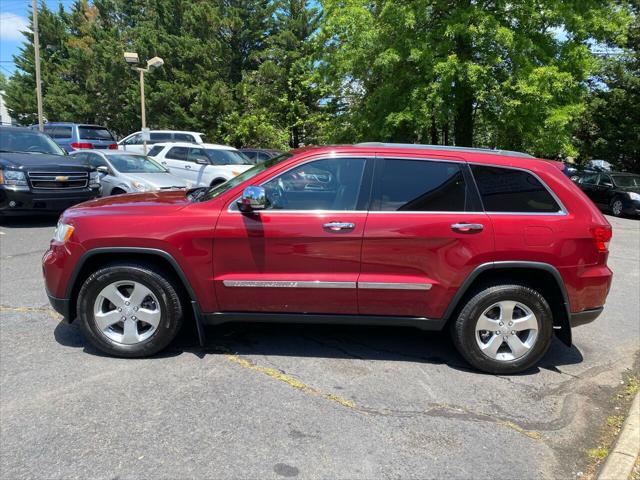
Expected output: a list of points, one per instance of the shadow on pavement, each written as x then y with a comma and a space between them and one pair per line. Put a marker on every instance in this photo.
326, 341
35, 221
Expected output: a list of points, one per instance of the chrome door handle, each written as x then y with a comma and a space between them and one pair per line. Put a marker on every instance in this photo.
338, 226
187, 166
467, 227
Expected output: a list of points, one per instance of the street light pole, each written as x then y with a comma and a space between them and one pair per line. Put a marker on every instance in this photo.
36, 51
142, 109
132, 59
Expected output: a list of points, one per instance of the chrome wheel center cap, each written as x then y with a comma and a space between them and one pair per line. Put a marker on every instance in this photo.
127, 311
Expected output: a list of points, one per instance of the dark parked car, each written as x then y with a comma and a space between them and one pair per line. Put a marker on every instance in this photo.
73, 136
260, 155
36, 176
433, 237
617, 192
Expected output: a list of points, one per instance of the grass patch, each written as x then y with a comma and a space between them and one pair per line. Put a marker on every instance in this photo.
598, 453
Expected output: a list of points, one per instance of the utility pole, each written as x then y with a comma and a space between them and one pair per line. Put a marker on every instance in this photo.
36, 49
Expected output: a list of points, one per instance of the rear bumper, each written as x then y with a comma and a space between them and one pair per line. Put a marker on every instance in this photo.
23, 202
584, 317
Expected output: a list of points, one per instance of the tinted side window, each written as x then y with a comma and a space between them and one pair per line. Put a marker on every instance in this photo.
420, 186
508, 190
157, 137
605, 180
178, 153
196, 154
58, 132
155, 150
250, 155
184, 137
332, 184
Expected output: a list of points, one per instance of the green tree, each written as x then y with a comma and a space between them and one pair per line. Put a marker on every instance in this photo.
610, 128
508, 74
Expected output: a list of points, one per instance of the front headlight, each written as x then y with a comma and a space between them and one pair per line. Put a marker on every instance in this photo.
94, 179
634, 196
13, 177
141, 187
63, 232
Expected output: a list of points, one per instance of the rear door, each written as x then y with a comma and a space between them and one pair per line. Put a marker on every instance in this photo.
425, 233
302, 254
197, 163
176, 162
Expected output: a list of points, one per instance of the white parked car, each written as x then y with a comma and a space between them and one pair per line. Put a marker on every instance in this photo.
201, 165
124, 172
133, 143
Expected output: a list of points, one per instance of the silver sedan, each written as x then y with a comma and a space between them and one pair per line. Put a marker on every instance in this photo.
122, 172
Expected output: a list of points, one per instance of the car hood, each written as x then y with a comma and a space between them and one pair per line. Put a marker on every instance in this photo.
40, 160
152, 203
159, 180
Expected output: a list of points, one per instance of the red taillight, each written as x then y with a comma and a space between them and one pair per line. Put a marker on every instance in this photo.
113, 146
79, 145
602, 236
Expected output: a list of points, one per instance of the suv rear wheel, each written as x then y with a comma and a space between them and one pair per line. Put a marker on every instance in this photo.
504, 329
129, 310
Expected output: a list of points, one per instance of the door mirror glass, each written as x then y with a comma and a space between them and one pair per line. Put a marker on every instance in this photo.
103, 170
253, 198
202, 161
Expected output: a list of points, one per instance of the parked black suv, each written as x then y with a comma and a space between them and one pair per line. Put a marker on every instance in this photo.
36, 175
617, 192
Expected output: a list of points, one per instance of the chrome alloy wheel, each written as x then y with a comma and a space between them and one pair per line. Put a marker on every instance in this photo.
506, 331
616, 208
127, 312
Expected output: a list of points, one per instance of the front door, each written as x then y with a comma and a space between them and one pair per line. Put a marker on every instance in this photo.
302, 254
425, 233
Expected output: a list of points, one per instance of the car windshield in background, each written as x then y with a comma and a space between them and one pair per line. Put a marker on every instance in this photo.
135, 164
627, 180
28, 141
213, 192
227, 157
87, 132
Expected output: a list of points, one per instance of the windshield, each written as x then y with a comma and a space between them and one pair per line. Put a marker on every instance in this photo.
29, 141
213, 192
627, 180
227, 157
135, 164
88, 132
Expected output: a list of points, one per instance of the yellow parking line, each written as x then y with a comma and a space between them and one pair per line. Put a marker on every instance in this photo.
289, 380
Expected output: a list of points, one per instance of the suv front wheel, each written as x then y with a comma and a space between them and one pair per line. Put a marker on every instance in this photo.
129, 310
504, 329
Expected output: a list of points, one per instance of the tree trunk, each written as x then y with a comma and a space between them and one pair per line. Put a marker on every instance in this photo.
434, 131
463, 92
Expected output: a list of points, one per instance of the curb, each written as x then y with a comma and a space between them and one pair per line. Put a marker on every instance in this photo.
622, 458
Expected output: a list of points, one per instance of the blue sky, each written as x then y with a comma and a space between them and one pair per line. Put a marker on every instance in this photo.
14, 16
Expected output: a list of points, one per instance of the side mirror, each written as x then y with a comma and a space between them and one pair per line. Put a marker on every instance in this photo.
202, 161
253, 198
102, 169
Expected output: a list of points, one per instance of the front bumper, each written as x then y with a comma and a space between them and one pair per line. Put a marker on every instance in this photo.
61, 305
584, 317
22, 202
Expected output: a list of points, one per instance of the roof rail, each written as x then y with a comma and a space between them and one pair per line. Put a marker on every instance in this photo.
417, 146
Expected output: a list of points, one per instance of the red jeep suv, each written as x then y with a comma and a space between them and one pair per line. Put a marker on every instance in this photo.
500, 247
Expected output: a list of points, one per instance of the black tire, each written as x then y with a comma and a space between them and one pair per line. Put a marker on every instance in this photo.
464, 327
217, 181
117, 191
616, 206
155, 280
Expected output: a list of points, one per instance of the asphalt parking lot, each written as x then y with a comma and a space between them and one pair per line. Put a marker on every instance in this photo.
273, 401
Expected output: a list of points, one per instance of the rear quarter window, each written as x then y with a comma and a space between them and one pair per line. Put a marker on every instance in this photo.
155, 150
510, 190
58, 132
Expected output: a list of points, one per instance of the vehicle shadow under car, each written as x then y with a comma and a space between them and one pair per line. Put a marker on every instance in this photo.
325, 341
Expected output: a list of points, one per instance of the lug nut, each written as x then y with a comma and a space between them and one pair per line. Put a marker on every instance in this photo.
126, 303
501, 324
513, 332
133, 318
510, 324
135, 309
123, 318
119, 309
